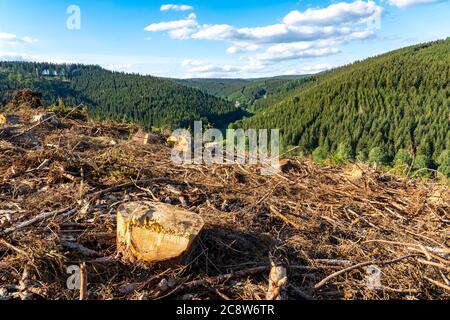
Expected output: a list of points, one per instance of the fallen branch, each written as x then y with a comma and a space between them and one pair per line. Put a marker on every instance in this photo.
10, 246
82, 249
438, 284
34, 126
212, 281
334, 262
24, 282
440, 251
138, 286
283, 218
83, 282
300, 292
361, 265
141, 183
38, 218
434, 264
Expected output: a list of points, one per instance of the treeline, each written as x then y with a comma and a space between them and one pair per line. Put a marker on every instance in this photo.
394, 106
253, 95
151, 101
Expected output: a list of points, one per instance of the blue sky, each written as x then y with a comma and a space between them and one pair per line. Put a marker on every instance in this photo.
246, 38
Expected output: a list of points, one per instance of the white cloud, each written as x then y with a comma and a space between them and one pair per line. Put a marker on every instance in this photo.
242, 47
120, 67
29, 40
9, 39
278, 33
410, 3
214, 32
22, 56
192, 63
336, 20
204, 69
14, 56
313, 33
311, 69
339, 13
181, 34
291, 51
177, 29
212, 71
176, 7
7, 36
188, 22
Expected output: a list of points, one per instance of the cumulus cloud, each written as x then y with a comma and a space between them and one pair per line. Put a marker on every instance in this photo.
242, 47
334, 21
176, 7
301, 50
315, 32
339, 13
9, 39
24, 56
410, 3
190, 21
123, 67
177, 29
7, 36
29, 40
312, 69
279, 33
14, 56
204, 69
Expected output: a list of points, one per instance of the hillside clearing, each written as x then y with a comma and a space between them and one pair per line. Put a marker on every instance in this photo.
60, 187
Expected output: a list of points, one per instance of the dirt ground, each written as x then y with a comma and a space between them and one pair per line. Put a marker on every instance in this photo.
341, 233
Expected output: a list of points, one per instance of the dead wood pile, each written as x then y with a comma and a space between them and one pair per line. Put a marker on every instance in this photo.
60, 188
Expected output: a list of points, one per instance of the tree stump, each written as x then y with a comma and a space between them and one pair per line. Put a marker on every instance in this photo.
155, 232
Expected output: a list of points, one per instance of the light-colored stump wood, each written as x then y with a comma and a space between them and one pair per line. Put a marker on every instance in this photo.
145, 138
155, 232
277, 282
181, 143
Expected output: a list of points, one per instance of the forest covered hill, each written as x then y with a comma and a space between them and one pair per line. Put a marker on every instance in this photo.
147, 100
391, 107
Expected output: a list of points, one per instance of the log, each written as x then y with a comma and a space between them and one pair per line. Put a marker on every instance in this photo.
155, 232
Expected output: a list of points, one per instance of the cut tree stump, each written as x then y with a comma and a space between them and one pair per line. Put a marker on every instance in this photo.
277, 282
155, 232
144, 138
